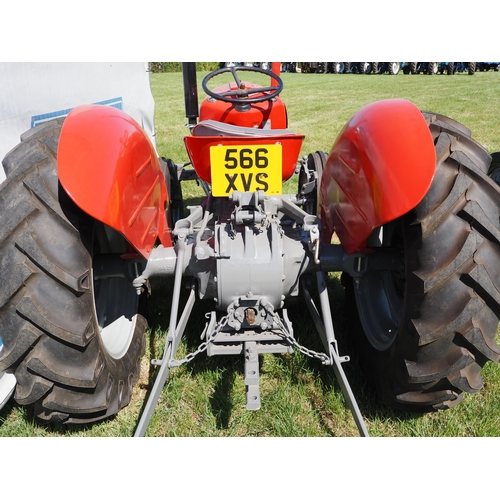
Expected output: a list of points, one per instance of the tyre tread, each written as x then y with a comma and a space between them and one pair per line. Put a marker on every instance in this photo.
47, 317
447, 331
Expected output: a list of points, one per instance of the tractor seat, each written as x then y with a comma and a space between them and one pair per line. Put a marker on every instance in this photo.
211, 128
210, 133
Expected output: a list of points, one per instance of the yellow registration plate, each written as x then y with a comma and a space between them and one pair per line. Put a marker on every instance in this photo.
246, 168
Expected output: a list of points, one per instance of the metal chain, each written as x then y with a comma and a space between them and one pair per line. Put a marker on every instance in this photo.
283, 330
325, 360
202, 347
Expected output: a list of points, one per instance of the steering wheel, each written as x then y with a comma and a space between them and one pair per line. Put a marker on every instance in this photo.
242, 94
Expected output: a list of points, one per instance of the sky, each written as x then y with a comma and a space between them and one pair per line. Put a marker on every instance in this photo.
385, 30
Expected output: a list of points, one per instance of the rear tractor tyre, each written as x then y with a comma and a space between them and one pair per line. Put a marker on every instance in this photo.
432, 68
427, 330
394, 68
338, 67
309, 181
494, 170
72, 334
366, 68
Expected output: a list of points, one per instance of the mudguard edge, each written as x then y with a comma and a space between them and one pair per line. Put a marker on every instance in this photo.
110, 169
380, 167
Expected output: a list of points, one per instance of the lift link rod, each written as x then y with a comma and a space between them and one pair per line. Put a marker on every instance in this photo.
324, 324
172, 341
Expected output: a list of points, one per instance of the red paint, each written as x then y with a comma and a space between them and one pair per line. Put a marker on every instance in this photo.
268, 114
256, 115
198, 148
276, 69
380, 167
110, 169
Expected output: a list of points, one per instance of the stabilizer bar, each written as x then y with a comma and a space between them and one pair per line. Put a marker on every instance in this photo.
172, 342
324, 325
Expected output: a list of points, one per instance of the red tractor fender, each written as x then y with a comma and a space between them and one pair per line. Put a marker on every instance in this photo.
110, 169
380, 167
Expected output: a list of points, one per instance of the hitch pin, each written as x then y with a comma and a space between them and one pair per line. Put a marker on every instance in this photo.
360, 264
313, 234
316, 252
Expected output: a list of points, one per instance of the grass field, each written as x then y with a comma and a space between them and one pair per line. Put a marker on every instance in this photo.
299, 396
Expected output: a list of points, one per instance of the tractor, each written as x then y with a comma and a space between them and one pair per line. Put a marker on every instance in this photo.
415, 68
402, 205
453, 67
392, 68
486, 66
364, 68
338, 67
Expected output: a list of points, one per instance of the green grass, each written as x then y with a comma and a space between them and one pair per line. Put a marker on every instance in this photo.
299, 396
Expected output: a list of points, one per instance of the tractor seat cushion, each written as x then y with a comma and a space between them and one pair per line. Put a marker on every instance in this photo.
214, 128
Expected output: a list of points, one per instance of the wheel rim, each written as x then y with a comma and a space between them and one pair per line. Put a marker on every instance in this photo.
116, 305
380, 298
115, 298
313, 171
